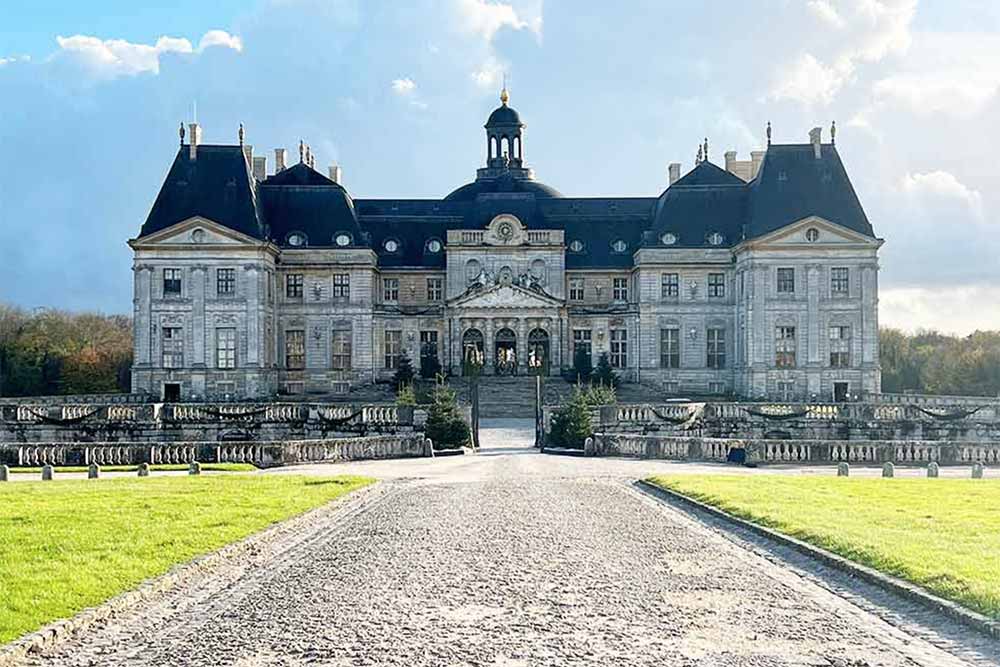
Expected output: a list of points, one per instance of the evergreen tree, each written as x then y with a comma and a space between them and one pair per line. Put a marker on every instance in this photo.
571, 424
445, 426
404, 373
582, 364
604, 375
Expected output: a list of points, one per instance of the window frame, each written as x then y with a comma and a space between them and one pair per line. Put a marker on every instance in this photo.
435, 288
392, 348
577, 289
295, 285
225, 350
341, 349
670, 350
229, 281
715, 348
173, 282
784, 280
390, 290
619, 289
717, 286
618, 347
670, 286
840, 285
295, 349
172, 347
341, 286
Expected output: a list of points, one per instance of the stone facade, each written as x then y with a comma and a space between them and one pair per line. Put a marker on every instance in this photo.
724, 284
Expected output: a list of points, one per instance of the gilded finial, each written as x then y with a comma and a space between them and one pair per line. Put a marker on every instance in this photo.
768, 133
833, 133
181, 133
241, 134
504, 95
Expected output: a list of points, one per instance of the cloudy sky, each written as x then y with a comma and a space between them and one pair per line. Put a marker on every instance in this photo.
91, 95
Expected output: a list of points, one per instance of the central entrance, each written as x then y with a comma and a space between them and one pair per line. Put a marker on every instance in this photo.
505, 355
538, 352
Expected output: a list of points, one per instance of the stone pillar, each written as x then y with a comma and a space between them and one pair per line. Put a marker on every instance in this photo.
194, 468
252, 275
47, 473
93, 471
932, 469
143, 470
199, 278
522, 345
813, 317
489, 354
869, 316
977, 470
4, 473
843, 470
143, 314
888, 470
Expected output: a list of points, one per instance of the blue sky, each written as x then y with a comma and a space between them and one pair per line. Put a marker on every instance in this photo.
91, 95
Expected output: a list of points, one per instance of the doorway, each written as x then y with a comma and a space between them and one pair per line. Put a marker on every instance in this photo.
840, 394
538, 352
505, 354
171, 392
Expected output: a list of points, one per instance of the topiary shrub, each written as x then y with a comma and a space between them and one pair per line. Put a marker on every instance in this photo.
445, 426
571, 424
604, 375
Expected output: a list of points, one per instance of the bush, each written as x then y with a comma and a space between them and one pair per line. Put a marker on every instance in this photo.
445, 426
582, 365
406, 396
596, 395
404, 373
604, 375
571, 424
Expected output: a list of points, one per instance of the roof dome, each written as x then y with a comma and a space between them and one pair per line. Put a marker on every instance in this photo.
470, 191
504, 115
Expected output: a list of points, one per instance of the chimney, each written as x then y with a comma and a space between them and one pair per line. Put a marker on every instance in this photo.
260, 167
730, 160
756, 157
279, 160
335, 173
194, 138
248, 153
674, 172
815, 136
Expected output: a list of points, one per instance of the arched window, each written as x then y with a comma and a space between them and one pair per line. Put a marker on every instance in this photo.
472, 271
493, 148
517, 147
504, 146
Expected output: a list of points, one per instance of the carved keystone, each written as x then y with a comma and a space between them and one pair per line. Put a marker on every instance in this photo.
143, 470
47, 472
843, 469
977, 470
933, 470
194, 468
93, 471
4, 473
888, 470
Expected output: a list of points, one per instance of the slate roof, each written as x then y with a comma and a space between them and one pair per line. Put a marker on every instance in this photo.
501, 185
503, 115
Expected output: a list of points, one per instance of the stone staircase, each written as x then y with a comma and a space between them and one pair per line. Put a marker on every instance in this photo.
505, 397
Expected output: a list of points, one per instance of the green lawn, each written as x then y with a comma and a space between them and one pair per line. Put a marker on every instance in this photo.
218, 467
943, 534
68, 545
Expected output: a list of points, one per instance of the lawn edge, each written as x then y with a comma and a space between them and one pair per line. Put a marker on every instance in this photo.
57, 631
910, 591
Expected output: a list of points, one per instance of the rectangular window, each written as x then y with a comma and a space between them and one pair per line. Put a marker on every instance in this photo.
717, 387
716, 348
581, 341
225, 282
670, 285
717, 285
840, 346
670, 348
839, 281
225, 348
390, 290
393, 348
620, 289
173, 347
293, 285
435, 289
295, 349
576, 289
340, 348
786, 390
840, 360
784, 347
341, 285
171, 282
619, 348
786, 281
428, 349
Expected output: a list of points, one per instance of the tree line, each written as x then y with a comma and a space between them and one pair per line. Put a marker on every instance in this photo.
47, 352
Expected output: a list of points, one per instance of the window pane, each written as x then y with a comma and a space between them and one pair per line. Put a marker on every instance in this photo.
295, 349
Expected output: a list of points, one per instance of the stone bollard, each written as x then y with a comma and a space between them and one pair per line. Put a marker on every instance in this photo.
977, 470
143, 470
843, 469
47, 472
933, 470
4, 473
428, 447
888, 470
588, 447
194, 468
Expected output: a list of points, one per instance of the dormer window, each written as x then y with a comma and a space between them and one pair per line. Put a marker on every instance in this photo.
576, 245
434, 246
619, 246
782, 176
668, 238
391, 246
715, 238
297, 239
342, 239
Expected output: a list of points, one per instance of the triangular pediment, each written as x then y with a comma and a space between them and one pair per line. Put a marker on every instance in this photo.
814, 231
196, 231
505, 296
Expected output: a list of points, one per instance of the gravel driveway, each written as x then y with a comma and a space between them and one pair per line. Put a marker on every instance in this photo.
514, 558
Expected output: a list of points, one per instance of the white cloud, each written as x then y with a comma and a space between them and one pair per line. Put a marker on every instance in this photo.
809, 81
404, 86
485, 18
826, 13
220, 38
14, 59
489, 73
954, 310
939, 185
112, 58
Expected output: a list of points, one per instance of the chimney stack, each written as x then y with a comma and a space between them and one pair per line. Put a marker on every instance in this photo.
260, 167
730, 159
815, 137
194, 138
673, 172
756, 157
279, 160
335, 173
248, 153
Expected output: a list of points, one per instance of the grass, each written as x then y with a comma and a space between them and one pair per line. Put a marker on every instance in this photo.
941, 534
69, 545
217, 467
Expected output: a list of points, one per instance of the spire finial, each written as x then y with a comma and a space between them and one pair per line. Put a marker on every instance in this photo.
833, 133
504, 95
697, 160
768, 133
241, 134
706, 148
181, 133
302, 151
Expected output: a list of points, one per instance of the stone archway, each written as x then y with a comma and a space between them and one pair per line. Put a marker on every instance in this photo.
473, 348
505, 352
538, 352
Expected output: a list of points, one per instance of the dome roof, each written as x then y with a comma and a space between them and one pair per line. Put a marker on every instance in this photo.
504, 115
470, 191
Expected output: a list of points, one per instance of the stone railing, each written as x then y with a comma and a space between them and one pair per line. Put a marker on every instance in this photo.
794, 451
263, 454
99, 399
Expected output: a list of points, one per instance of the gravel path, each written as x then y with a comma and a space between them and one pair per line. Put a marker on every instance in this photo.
513, 558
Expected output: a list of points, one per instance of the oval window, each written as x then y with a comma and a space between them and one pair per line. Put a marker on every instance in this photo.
342, 239
668, 238
391, 245
296, 239
576, 245
434, 245
715, 238
812, 235
619, 246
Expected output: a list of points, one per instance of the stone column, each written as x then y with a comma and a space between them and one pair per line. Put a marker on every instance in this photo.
489, 354
199, 280
522, 345
869, 315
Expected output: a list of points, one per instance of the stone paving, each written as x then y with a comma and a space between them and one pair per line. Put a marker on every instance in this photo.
512, 558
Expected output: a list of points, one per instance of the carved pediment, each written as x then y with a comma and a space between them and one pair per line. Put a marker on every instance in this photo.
506, 296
